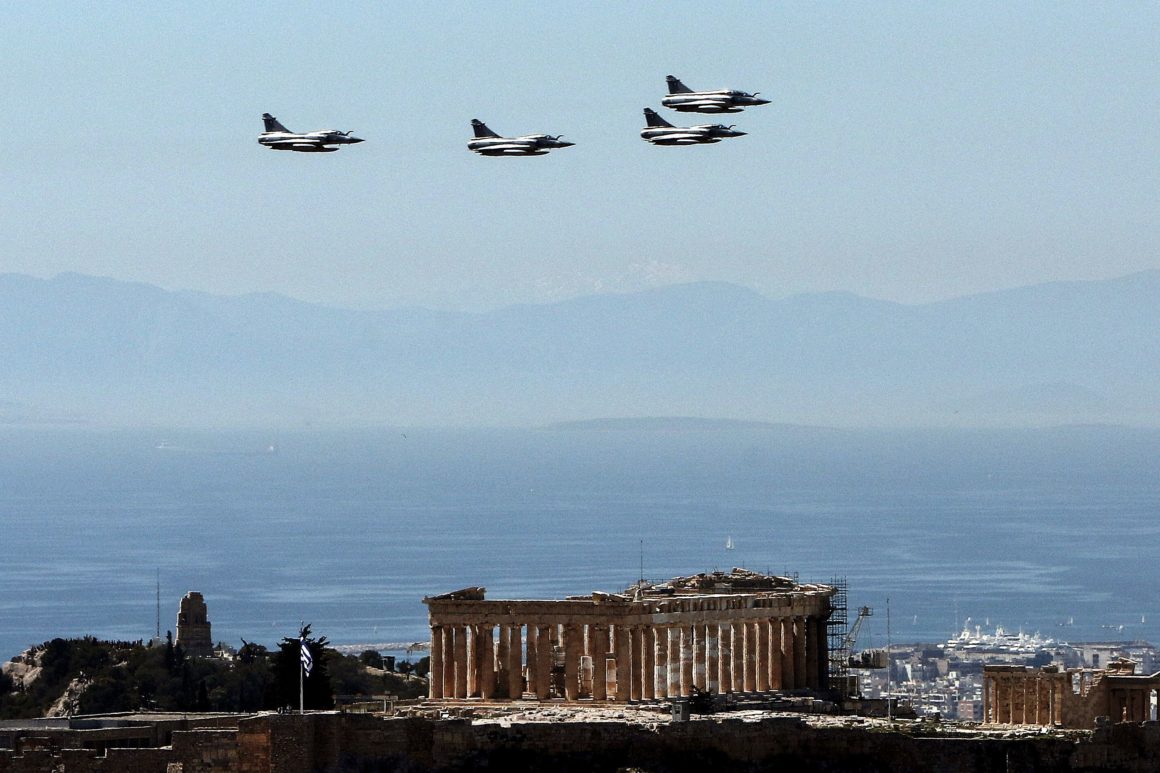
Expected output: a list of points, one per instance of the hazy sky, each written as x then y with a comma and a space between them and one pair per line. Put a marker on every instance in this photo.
913, 151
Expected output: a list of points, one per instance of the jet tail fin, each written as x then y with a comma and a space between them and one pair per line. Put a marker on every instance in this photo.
272, 124
655, 121
676, 87
481, 129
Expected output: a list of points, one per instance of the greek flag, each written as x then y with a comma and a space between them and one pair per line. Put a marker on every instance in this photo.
306, 658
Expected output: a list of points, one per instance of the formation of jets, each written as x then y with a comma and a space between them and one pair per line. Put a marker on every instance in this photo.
657, 130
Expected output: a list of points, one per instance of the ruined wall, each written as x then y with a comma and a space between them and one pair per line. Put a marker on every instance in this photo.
335, 743
88, 761
341, 743
206, 751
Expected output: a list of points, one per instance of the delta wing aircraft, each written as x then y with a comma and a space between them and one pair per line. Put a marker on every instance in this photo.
488, 143
278, 137
661, 132
685, 100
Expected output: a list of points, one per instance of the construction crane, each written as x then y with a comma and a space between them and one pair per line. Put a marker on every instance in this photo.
867, 658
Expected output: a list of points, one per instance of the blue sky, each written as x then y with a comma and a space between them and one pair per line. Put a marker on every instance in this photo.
912, 152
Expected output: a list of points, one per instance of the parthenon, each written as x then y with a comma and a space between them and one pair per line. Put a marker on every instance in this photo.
718, 632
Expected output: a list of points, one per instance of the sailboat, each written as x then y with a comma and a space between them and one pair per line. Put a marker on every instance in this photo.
729, 543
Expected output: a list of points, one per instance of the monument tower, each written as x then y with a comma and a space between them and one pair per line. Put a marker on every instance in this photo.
193, 634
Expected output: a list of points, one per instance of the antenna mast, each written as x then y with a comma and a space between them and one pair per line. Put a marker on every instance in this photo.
158, 632
889, 667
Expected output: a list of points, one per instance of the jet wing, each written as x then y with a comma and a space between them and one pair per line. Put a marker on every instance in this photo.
679, 139
508, 148
710, 104
297, 142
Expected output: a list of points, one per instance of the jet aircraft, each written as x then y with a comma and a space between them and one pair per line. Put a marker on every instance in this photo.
685, 100
661, 132
278, 137
488, 143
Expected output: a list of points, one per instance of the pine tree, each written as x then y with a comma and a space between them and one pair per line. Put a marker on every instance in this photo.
317, 691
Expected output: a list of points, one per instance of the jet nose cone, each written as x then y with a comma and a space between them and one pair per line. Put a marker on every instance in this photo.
760, 101
355, 140
566, 144
736, 133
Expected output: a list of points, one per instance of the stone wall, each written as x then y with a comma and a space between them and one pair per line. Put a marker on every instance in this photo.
337, 743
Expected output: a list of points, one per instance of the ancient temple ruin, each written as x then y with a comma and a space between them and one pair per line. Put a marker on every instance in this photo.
739, 632
1072, 697
193, 632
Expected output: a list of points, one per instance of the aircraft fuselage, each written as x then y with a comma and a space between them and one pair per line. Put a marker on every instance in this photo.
488, 143
278, 137
683, 99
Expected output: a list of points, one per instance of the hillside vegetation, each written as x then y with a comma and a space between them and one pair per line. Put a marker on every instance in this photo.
89, 676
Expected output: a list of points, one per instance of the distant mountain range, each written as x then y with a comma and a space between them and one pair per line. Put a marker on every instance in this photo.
86, 349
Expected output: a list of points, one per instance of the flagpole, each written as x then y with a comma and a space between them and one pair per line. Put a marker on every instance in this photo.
305, 664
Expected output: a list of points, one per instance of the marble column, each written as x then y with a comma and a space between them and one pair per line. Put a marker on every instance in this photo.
1051, 684
799, 652
674, 639
448, 661
788, 677
485, 680
533, 663
749, 680
1011, 693
543, 662
598, 651
737, 634
502, 642
515, 662
1003, 702
712, 659
811, 629
686, 660
623, 665
775, 654
473, 652
1040, 700
635, 662
648, 668
573, 650
725, 657
660, 661
435, 667
760, 631
700, 657
461, 661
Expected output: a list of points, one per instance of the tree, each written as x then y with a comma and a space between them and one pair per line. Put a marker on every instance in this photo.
287, 666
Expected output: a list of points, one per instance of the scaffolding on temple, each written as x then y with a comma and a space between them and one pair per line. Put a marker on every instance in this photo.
836, 630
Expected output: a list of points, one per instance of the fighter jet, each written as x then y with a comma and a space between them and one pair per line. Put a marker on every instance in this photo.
488, 143
278, 137
685, 100
661, 132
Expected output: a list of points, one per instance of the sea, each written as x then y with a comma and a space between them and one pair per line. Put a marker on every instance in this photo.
1055, 531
